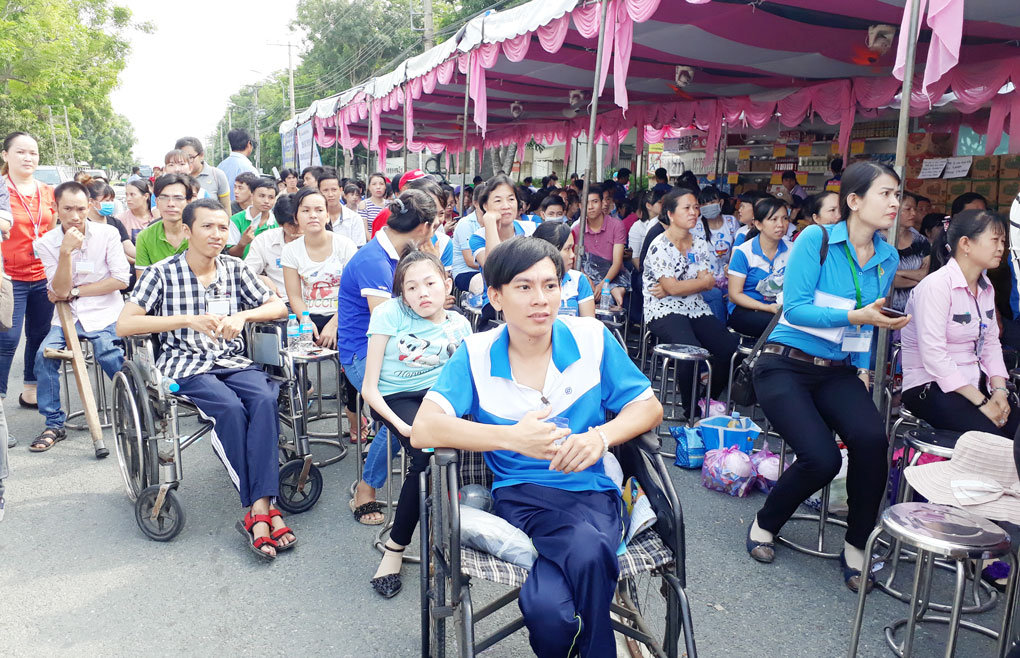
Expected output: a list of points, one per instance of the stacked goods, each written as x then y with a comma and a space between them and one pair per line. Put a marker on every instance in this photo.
920, 147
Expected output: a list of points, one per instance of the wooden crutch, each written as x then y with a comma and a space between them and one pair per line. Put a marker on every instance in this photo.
74, 354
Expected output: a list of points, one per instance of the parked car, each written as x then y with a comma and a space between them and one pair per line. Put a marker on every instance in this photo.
53, 175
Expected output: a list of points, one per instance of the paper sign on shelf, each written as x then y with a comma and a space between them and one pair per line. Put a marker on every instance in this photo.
958, 167
802, 177
932, 167
857, 147
733, 178
804, 150
779, 151
744, 154
834, 147
777, 178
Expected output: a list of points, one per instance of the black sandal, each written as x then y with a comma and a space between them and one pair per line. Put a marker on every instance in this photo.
389, 585
49, 437
372, 507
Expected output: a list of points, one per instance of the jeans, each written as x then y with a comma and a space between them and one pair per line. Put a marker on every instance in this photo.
377, 466
33, 307
806, 403
716, 301
47, 371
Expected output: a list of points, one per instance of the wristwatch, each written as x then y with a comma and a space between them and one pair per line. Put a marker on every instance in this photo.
75, 292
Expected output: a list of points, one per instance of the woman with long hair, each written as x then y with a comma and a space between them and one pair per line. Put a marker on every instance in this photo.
138, 214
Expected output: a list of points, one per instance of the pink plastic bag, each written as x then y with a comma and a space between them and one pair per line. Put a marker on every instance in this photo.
728, 470
766, 468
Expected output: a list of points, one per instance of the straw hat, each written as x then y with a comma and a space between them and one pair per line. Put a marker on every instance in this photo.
981, 478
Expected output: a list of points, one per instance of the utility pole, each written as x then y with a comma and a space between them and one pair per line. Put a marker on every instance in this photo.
255, 127
290, 70
429, 36
230, 118
53, 134
70, 144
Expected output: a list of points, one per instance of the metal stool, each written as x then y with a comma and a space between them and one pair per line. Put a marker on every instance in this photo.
822, 517
330, 438
648, 338
614, 321
935, 531
675, 353
98, 387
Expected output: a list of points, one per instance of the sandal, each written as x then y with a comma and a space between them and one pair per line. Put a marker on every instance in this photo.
49, 437
256, 543
280, 532
362, 436
389, 585
372, 507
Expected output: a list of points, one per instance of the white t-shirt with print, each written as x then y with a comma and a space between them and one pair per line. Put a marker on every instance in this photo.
320, 281
721, 244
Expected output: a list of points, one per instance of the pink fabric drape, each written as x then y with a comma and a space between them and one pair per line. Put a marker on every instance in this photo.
945, 18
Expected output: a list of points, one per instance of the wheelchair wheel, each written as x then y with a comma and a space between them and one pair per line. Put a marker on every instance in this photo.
293, 498
645, 597
170, 520
130, 431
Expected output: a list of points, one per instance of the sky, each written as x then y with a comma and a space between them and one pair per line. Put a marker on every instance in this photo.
219, 43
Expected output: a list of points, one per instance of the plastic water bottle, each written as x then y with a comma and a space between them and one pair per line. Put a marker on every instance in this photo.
168, 385
734, 421
307, 340
605, 299
293, 333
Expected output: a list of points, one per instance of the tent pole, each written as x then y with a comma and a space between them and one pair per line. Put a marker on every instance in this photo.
463, 139
882, 354
406, 102
594, 111
368, 140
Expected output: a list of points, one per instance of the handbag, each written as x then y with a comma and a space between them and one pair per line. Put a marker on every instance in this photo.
6, 303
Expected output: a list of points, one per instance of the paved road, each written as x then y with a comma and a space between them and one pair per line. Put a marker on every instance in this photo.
79, 579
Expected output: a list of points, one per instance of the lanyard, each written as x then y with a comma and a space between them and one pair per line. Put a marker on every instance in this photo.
37, 222
853, 272
980, 344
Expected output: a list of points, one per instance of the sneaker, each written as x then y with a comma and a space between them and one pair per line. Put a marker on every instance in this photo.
11, 441
3, 505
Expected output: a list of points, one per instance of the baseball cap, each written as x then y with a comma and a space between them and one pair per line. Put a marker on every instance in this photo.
414, 174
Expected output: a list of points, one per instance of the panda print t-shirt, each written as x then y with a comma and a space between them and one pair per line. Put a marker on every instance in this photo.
417, 349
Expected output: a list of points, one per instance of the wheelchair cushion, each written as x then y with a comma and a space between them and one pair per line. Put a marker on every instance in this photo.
644, 553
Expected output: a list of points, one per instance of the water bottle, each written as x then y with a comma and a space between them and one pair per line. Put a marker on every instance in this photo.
293, 333
734, 421
307, 340
168, 385
605, 299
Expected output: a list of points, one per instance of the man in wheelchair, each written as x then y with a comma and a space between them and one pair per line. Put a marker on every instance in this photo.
549, 482
198, 301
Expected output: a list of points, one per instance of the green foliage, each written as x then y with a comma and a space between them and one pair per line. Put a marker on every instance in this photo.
64, 53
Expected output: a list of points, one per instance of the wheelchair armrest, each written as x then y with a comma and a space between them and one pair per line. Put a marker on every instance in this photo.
445, 456
649, 442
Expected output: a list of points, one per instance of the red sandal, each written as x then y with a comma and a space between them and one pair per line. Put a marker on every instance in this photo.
256, 543
276, 534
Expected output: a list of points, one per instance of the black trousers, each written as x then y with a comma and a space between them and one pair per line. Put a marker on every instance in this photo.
405, 518
707, 332
748, 322
805, 403
952, 411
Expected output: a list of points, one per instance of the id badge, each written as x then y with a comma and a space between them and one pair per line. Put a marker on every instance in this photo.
568, 310
84, 267
857, 338
278, 266
217, 304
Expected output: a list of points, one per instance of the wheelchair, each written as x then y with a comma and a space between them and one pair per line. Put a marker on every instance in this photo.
149, 442
650, 607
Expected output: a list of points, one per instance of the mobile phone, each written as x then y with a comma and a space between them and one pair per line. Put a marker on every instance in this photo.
892, 313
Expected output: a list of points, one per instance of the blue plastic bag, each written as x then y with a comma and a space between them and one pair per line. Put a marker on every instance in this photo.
716, 435
690, 446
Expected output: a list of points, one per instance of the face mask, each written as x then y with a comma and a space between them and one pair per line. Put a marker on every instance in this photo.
711, 210
106, 208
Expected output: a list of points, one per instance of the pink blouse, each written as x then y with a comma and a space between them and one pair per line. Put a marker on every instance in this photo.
952, 337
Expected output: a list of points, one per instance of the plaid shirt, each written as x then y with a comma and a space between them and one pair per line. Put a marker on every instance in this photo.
171, 288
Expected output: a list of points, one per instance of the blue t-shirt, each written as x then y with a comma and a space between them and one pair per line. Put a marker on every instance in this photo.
749, 261
369, 273
466, 227
418, 348
477, 243
590, 374
804, 276
445, 244
574, 289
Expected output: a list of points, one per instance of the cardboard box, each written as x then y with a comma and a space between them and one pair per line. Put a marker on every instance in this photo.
1008, 191
933, 188
955, 187
985, 167
989, 189
914, 164
931, 144
1009, 166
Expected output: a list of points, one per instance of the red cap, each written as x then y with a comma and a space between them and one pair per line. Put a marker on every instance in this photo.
414, 174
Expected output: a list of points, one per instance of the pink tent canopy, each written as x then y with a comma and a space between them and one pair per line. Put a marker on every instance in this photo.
750, 62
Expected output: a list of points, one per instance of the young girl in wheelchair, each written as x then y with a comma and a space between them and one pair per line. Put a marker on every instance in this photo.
410, 339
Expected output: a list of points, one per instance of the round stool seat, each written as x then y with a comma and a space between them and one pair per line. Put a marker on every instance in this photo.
610, 315
946, 531
908, 417
682, 352
940, 443
744, 349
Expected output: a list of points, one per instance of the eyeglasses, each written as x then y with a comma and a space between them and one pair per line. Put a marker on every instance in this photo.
177, 198
192, 157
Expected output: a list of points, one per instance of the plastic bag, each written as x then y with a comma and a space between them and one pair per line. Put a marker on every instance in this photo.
716, 433
690, 446
766, 469
494, 535
837, 490
728, 470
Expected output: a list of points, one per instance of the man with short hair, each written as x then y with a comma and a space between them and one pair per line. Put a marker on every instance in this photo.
166, 236
258, 217
528, 184
550, 482
622, 181
662, 181
266, 250
553, 209
241, 146
343, 220
198, 302
604, 240
242, 191
136, 174
212, 180
789, 181
85, 267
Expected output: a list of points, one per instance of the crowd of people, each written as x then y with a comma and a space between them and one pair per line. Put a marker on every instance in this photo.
382, 267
